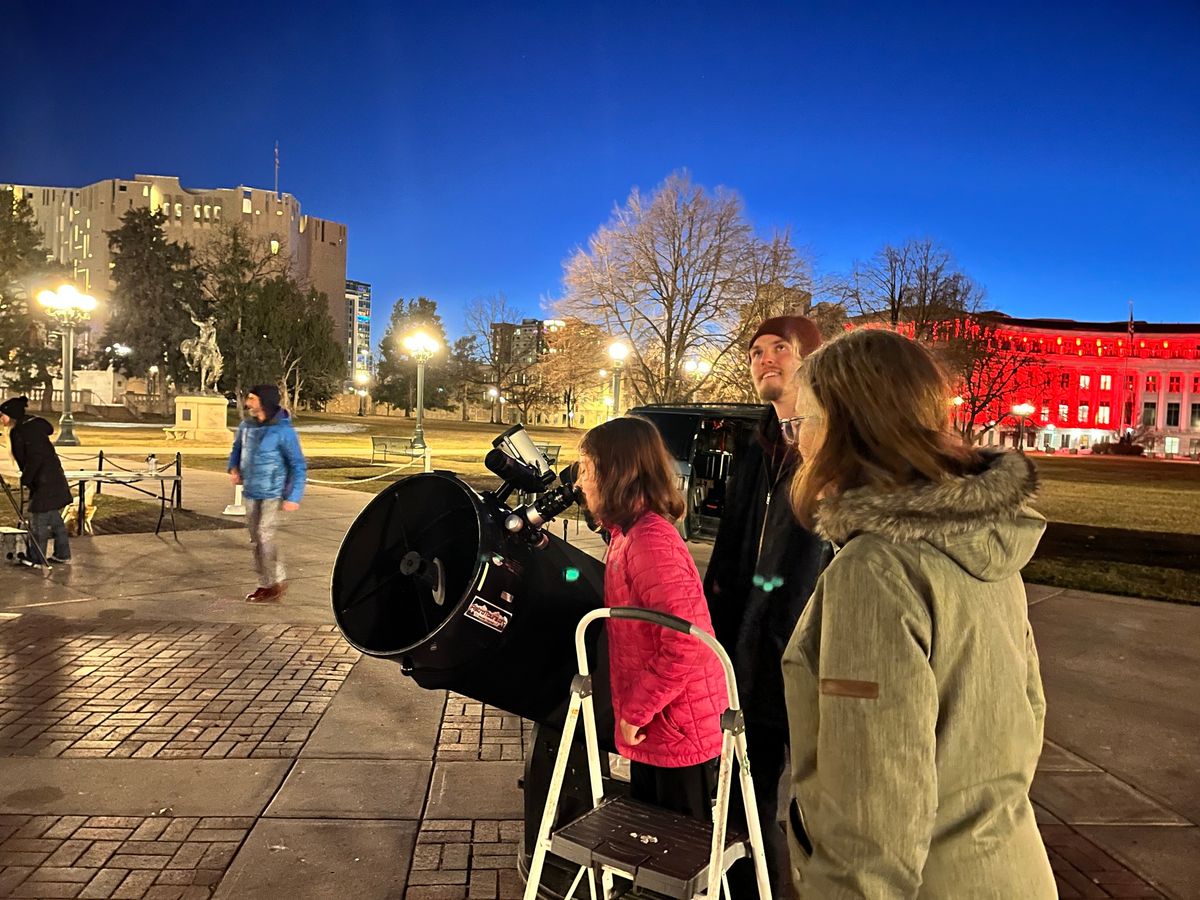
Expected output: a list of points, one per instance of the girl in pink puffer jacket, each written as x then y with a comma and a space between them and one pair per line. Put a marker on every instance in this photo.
668, 688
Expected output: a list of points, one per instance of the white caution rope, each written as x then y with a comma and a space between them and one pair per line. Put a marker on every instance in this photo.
363, 480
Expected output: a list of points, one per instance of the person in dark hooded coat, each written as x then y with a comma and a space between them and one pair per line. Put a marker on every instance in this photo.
763, 569
41, 474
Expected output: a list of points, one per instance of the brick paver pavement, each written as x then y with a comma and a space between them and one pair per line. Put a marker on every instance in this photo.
466, 860
470, 731
1084, 870
167, 691
475, 860
167, 858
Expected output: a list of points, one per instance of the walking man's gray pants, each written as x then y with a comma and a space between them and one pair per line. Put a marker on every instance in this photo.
262, 518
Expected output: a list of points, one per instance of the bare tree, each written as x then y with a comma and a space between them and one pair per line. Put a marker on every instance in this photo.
485, 319
991, 372
916, 284
681, 277
570, 370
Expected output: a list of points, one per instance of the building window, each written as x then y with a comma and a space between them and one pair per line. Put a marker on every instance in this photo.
216, 212
1106, 382
196, 212
1065, 381
1131, 383
1174, 384
1150, 413
1102, 414
1172, 415
1085, 382
207, 211
1196, 383
246, 207
1152, 384
1195, 416
145, 190
1045, 412
1063, 412
274, 247
1083, 413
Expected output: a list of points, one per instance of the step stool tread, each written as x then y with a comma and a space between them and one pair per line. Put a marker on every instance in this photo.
666, 852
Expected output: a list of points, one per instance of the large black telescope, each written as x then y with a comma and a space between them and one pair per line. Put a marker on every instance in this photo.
466, 592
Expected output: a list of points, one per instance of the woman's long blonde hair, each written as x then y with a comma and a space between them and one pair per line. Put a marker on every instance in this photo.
886, 404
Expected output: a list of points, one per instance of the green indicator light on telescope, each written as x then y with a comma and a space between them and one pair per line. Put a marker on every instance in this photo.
570, 574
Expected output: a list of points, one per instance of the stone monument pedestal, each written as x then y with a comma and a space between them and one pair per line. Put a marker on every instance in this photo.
200, 417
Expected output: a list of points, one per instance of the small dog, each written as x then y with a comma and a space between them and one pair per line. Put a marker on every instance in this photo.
70, 515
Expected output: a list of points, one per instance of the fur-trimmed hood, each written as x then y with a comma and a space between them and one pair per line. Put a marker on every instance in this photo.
980, 521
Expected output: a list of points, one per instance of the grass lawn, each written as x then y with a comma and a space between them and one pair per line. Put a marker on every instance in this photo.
1120, 492
122, 515
1139, 498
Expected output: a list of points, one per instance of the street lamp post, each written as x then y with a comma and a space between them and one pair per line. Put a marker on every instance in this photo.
69, 308
618, 352
958, 402
420, 347
362, 378
494, 394
1022, 411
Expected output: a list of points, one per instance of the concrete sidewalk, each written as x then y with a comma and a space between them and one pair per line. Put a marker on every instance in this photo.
161, 738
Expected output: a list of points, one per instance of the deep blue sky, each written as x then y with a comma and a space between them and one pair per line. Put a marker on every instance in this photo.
1054, 148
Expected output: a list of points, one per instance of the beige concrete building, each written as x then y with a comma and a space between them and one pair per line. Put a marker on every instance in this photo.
75, 221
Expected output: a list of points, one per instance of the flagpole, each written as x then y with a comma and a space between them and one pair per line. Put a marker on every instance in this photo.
1125, 376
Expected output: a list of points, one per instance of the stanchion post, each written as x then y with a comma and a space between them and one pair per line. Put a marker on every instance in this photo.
236, 508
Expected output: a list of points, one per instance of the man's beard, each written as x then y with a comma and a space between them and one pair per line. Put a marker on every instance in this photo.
771, 391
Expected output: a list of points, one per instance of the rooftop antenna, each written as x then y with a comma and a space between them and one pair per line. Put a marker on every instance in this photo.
277, 170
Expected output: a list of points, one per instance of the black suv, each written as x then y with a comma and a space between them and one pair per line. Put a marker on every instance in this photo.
707, 440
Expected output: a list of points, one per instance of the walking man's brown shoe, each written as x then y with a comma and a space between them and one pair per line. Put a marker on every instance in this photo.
267, 594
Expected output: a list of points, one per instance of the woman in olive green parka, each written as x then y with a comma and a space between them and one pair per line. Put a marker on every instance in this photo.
914, 699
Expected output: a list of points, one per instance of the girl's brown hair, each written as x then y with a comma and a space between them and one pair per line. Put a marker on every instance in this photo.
886, 405
634, 472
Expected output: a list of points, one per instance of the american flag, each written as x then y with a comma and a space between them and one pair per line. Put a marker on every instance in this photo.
1131, 322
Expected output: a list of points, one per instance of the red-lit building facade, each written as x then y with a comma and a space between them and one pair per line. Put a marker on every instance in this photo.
1087, 381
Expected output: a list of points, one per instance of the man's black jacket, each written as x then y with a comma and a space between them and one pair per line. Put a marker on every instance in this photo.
41, 472
763, 569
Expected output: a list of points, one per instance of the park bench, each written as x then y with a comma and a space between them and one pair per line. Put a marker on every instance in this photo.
179, 433
382, 445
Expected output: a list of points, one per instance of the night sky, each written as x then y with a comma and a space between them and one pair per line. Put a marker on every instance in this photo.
471, 147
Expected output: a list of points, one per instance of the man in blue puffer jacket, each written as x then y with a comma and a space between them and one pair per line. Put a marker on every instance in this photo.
267, 461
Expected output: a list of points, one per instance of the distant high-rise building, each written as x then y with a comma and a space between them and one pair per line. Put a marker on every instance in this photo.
524, 342
75, 222
358, 337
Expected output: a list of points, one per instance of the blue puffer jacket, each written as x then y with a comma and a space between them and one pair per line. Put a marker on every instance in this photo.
269, 457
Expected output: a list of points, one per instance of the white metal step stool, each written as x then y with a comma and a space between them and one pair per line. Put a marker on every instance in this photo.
656, 850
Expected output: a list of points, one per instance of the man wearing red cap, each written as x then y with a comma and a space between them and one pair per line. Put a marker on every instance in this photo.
763, 569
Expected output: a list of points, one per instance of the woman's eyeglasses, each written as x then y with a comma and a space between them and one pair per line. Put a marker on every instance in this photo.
790, 428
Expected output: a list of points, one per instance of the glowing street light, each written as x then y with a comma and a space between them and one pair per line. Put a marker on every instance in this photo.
363, 379
494, 395
70, 308
618, 352
1022, 411
420, 346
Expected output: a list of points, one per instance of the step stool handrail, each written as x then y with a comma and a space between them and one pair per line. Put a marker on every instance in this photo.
665, 620
733, 744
